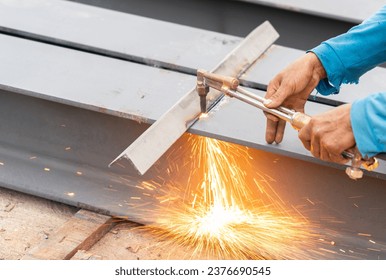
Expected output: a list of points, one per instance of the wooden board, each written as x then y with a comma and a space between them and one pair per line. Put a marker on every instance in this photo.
79, 233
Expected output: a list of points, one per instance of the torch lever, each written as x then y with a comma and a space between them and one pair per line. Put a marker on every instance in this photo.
230, 87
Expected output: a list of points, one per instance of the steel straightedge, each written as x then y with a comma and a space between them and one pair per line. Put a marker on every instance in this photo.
151, 145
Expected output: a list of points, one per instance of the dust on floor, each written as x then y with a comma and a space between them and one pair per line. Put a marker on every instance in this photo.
26, 221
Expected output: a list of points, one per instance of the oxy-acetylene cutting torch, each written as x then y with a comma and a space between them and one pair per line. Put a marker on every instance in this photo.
230, 87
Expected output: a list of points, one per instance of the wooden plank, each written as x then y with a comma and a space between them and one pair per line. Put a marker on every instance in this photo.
79, 233
84, 255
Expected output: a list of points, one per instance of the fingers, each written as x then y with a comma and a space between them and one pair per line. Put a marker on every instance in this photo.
305, 136
332, 151
275, 130
280, 131
336, 157
311, 137
270, 132
290, 88
275, 98
321, 144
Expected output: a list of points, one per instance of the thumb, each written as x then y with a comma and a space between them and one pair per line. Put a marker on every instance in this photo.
277, 98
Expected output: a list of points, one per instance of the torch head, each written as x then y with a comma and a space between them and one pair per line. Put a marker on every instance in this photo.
202, 89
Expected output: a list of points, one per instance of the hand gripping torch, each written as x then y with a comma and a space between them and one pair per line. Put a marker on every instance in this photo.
230, 87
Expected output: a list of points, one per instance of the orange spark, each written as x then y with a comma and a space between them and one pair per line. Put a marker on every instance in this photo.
224, 208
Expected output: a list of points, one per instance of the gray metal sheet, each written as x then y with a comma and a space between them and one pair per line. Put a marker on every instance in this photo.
89, 81
353, 11
278, 57
119, 34
150, 41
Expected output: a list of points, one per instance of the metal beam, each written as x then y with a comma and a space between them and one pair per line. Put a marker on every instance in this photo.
64, 76
61, 154
181, 48
115, 34
88, 81
297, 30
85, 81
352, 11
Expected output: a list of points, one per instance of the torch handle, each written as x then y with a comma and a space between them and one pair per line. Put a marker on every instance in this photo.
299, 120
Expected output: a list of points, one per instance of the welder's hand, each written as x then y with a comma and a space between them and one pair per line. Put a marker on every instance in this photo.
328, 134
291, 88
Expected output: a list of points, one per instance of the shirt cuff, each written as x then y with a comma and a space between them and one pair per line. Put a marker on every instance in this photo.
368, 121
334, 69
325, 88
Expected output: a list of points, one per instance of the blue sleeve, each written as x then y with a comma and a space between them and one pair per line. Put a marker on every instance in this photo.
368, 121
348, 56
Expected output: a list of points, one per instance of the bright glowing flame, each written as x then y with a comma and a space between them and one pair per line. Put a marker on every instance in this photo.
204, 115
225, 209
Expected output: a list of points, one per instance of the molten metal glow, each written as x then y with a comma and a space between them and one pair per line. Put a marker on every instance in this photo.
223, 208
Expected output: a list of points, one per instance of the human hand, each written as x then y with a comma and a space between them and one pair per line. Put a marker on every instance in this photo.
291, 88
328, 134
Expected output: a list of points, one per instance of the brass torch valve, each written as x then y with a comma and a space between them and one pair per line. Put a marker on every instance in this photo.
230, 87
354, 171
206, 80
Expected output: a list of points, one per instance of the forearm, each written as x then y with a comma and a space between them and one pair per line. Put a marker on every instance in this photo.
347, 57
368, 121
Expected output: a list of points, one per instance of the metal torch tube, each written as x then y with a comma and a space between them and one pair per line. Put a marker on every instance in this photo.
262, 100
254, 102
297, 119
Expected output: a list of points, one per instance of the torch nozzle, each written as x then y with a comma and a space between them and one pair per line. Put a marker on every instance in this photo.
203, 104
202, 89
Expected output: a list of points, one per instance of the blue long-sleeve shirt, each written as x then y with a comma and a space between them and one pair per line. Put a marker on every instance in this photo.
347, 57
